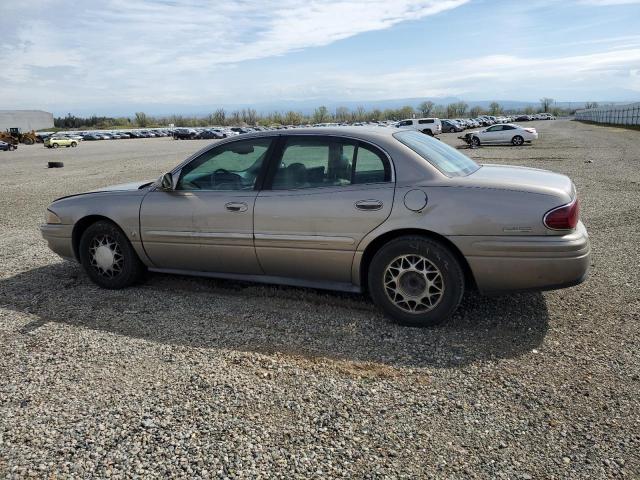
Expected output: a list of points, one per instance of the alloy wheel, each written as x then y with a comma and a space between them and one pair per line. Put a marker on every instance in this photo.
105, 256
413, 283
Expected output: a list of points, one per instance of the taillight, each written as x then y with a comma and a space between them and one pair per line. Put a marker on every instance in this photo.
563, 218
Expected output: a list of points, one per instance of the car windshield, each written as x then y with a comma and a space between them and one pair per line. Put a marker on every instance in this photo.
445, 158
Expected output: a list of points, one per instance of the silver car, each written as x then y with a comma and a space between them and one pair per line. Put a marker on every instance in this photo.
504, 133
397, 214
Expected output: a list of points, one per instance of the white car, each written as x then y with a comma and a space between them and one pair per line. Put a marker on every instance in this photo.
504, 133
430, 126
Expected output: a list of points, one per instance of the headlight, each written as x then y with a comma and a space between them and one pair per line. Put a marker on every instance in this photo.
51, 217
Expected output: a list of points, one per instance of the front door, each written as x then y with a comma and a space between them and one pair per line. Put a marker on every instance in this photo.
492, 134
325, 195
206, 222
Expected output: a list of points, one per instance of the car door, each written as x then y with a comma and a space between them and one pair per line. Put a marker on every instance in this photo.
206, 222
507, 133
491, 134
322, 196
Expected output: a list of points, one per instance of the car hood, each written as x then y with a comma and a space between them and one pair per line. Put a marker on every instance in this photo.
535, 180
122, 187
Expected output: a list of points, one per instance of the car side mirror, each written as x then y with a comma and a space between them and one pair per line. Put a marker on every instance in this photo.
166, 182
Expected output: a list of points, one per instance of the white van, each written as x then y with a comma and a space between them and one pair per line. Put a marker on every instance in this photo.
430, 126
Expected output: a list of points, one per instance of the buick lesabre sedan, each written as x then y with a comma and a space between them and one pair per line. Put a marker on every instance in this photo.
397, 214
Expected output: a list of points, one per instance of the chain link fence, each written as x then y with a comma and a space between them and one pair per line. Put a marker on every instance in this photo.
612, 115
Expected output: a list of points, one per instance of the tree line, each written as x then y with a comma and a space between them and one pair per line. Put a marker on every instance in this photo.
249, 116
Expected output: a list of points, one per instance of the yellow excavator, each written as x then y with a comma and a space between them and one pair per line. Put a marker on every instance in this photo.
15, 136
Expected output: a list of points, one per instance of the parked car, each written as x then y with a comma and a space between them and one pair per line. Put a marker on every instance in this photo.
451, 126
504, 133
209, 135
55, 141
430, 126
7, 147
91, 137
348, 208
184, 134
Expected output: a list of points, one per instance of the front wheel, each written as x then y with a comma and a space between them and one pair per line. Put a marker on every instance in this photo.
108, 257
74, 144
416, 281
517, 140
55, 145
475, 141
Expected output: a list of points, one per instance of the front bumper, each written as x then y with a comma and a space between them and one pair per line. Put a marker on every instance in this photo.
514, 263
59, 238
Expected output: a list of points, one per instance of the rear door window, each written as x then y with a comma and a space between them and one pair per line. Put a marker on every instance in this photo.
313, 162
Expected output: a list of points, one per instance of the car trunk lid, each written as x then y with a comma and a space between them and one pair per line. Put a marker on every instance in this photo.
524, 179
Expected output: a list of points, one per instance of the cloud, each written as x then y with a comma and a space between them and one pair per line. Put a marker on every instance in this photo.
148, 49
607, 3
489, 76
123, 54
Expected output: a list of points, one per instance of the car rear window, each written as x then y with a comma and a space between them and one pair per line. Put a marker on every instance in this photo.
445, 158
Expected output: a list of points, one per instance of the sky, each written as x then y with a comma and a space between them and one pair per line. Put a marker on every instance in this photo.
180, 56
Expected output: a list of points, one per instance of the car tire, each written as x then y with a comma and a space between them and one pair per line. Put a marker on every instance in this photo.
475, 141
55, 145
108, 257
517, 140
416, 281
74, 144
428, 132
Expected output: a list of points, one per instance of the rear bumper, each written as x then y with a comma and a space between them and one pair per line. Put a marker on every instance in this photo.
503, 264
59, 239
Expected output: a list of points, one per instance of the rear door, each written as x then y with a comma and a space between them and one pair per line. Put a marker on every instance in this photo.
323, 196
507, 133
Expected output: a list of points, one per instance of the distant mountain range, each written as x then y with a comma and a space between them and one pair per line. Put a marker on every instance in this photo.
307, 107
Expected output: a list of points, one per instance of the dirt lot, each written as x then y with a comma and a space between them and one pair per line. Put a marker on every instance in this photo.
202, 378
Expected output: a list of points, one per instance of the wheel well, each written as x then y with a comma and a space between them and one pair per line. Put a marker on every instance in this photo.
379, 242
80, 227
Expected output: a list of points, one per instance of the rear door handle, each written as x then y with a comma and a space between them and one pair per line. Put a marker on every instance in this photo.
368, 205
236, 206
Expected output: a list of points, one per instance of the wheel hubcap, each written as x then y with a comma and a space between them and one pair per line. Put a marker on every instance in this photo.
413, 283
105, 256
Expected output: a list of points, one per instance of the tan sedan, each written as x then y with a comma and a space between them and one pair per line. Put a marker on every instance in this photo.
397, 214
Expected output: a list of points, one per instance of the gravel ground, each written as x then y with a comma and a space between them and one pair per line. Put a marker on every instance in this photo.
204, 379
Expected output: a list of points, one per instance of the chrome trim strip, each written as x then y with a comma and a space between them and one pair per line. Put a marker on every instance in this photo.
162, 233
304, 238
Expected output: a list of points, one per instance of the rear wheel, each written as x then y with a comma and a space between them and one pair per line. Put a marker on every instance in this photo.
416, 281
28, 141
428, 132
517, 140
108, 257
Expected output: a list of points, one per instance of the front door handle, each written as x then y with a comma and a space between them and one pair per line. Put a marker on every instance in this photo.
368, 205
236, 206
